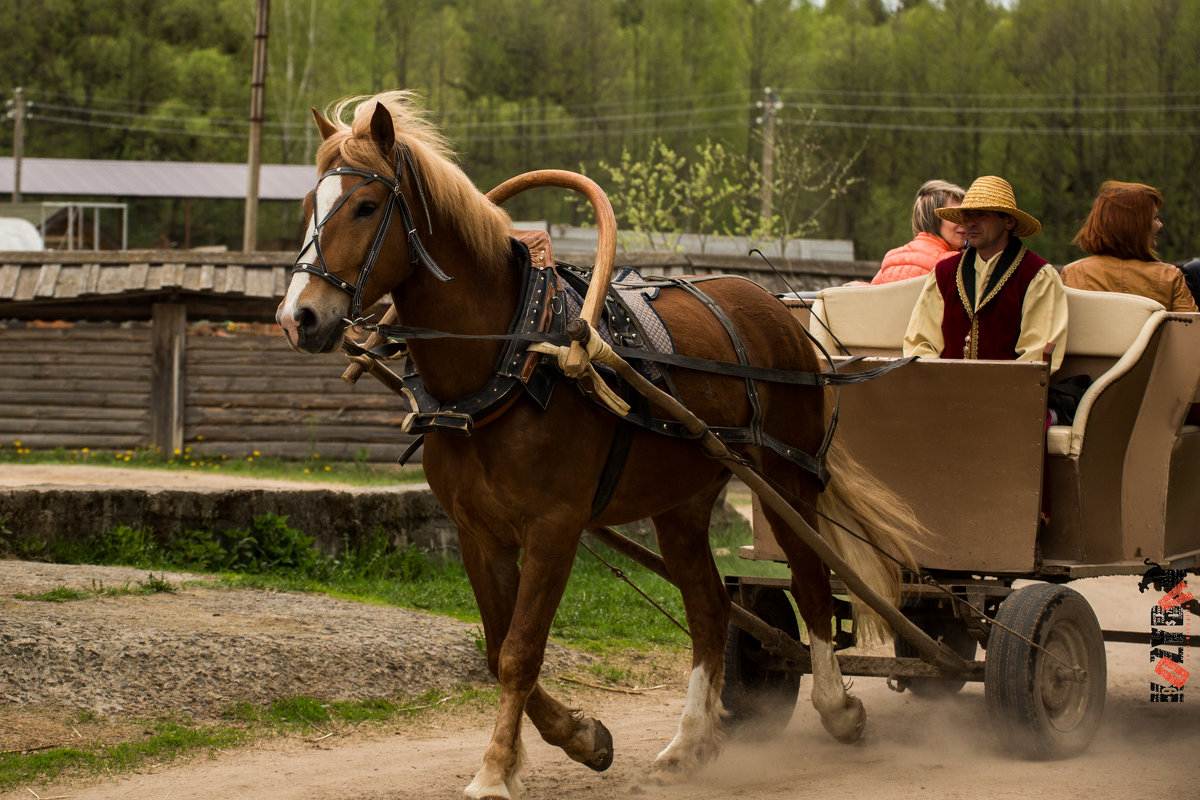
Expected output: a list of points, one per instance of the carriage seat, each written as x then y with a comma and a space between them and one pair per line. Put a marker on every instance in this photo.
1107, 334
867, 320
1107, 337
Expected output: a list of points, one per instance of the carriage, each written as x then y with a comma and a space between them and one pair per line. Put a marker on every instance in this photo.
965, 443
528, 445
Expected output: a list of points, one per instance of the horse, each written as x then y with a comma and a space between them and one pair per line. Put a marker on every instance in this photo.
520, 487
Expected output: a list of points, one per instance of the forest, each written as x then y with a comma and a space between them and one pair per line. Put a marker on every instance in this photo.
672, 105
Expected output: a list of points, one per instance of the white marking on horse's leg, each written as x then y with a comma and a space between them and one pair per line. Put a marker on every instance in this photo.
698, 739
488, 783
842, 713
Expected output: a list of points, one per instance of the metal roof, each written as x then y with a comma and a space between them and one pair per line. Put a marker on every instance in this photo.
106, 178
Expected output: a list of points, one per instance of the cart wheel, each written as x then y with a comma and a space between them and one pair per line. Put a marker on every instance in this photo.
760, 690
950, 631
1038, 707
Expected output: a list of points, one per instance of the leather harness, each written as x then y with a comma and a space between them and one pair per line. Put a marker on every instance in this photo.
540, 317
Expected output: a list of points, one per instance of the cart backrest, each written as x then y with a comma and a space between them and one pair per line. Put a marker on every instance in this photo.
867, 320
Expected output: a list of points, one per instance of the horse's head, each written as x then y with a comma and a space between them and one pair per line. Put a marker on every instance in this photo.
362, 235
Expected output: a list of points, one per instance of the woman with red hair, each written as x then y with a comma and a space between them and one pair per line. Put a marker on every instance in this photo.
1120, 235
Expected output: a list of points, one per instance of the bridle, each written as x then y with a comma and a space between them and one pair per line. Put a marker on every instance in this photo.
416, 250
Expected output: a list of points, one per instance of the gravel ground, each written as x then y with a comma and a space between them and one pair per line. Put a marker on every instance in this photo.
201, 648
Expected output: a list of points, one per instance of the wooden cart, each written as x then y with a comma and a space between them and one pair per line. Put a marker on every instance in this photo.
965, 443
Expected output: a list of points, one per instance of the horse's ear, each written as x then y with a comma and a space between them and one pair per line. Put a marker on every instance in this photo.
383, 130
323, 125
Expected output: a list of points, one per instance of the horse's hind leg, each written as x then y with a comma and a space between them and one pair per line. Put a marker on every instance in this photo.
683, 539
841, 713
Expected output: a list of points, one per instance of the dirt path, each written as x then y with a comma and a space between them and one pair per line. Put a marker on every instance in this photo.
198, 648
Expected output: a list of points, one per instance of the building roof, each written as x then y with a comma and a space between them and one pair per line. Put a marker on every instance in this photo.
106, 178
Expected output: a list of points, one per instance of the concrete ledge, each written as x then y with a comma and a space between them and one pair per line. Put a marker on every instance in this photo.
407, 514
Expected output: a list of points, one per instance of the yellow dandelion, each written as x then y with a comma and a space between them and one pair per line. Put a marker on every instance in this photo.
178, 452
307, 471
199, 437
257, 453
327, 468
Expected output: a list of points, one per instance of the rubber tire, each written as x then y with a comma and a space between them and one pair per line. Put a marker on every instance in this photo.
951, 632
759, 701
1036, 714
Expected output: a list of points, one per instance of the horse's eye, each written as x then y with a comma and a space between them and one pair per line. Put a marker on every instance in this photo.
365, 209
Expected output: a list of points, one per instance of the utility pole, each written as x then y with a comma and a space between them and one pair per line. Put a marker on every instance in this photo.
770, 105
17, 115
258, 82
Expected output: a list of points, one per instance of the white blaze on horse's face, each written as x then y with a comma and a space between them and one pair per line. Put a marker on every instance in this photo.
289, 315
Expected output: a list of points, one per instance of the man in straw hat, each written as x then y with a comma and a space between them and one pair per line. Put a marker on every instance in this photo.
997, 299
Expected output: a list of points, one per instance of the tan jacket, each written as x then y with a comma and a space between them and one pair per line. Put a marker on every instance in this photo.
1161, 282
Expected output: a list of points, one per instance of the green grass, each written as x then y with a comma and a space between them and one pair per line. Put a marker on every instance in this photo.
358, 471
66, 594
163, 740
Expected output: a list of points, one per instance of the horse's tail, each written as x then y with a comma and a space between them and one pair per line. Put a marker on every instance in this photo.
856, 504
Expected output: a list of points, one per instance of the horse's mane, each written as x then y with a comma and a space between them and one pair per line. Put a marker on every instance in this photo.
483, 225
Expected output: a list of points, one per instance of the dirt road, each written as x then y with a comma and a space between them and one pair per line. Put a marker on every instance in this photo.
912, 749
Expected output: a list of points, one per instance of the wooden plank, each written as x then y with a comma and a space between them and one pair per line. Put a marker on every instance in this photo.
282, 279
73, 427
8, 279
207, 271
78, 388
11, 410
189, 280
136, 277
70, 281
27, 281
91, 280
235, 279
47, 441
172, 276
167, 385
88, 359
47, 278
260, 282
254, 433
154, 278
35, 395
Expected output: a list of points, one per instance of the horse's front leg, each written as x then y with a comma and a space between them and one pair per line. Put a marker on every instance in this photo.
517, 626
584, 739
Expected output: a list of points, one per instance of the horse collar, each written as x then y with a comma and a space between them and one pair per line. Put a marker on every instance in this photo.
517, 368
396, 200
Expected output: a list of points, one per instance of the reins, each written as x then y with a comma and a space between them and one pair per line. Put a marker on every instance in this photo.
726, 368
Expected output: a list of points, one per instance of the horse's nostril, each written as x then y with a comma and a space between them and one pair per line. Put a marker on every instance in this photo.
305, 318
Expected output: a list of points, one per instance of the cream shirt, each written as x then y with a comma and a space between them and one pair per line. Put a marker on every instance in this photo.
1043, 315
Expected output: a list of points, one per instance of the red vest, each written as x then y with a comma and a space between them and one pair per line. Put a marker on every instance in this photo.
996, 327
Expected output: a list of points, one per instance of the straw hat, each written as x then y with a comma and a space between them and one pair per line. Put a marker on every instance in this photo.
990, 193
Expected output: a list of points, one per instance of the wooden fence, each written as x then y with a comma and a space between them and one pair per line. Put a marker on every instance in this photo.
133, 368
95, 385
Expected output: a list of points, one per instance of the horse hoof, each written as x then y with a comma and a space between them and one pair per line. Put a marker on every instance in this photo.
846, 724
602, 748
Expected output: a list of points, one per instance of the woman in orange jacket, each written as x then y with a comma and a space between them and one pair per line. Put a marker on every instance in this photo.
934, 236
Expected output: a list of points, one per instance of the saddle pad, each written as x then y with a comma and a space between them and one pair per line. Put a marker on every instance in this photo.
638, 298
